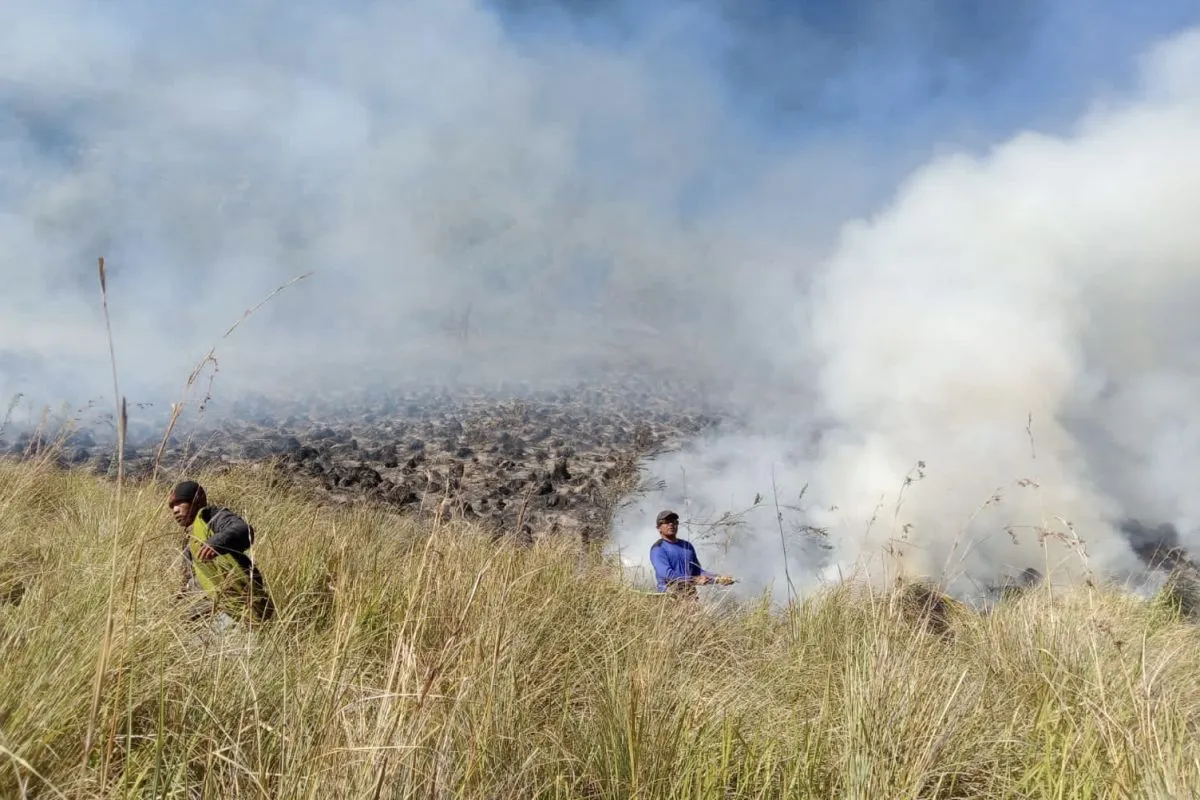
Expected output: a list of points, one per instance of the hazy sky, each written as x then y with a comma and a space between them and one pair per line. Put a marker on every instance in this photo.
649, 177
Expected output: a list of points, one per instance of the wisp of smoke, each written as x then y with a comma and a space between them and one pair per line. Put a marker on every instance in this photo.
1006, 363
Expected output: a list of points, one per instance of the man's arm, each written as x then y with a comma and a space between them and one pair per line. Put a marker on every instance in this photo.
704, 575
229, 533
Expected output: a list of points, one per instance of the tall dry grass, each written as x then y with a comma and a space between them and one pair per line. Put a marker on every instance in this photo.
430, 663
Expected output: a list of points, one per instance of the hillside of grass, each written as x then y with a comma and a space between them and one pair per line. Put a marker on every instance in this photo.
413, 662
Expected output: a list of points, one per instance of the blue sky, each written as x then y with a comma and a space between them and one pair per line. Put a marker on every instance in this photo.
897, 81
892, 71
897, 75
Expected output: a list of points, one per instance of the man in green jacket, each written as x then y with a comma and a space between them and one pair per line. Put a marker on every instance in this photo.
219, 576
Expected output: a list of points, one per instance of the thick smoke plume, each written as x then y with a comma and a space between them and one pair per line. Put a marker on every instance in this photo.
1006, 363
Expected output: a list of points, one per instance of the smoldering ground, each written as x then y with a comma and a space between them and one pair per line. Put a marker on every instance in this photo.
485, 194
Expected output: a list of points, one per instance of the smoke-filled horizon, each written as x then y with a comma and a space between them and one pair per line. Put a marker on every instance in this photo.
557, 188
913, 227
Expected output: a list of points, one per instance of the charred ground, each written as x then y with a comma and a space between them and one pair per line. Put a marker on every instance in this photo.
523, 462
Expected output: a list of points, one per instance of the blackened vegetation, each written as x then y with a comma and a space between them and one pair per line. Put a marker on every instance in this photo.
1157, 545
1013, 587
526, 464
1161, 548
926, 608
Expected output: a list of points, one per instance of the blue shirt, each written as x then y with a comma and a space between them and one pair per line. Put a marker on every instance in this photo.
674, 560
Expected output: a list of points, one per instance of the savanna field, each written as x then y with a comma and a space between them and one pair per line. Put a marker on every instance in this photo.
423, 660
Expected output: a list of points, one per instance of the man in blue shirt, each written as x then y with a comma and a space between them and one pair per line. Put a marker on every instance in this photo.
676, 566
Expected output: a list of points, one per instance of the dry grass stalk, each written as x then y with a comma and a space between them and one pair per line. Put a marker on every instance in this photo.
122, 420
194, 376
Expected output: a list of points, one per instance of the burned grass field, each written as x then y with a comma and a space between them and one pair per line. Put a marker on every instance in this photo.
518, 462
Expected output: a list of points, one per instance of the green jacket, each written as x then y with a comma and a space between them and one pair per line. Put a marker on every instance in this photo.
230, 580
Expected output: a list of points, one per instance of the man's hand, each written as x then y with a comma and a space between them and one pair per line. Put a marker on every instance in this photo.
700, 580
723, 580
206, 553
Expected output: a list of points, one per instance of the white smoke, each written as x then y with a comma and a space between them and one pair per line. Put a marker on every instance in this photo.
434, 171
1020, 323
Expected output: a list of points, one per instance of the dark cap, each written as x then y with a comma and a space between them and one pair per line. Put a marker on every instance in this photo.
666, 516
185, 492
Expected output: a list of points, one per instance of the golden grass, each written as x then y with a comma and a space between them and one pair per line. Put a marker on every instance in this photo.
431, 663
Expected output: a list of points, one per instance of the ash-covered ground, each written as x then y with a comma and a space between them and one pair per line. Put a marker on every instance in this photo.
520, 461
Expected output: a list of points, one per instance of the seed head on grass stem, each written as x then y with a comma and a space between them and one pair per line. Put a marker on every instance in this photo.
122, 422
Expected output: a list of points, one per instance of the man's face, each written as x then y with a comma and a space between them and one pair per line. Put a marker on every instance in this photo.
669, 528
182, 512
